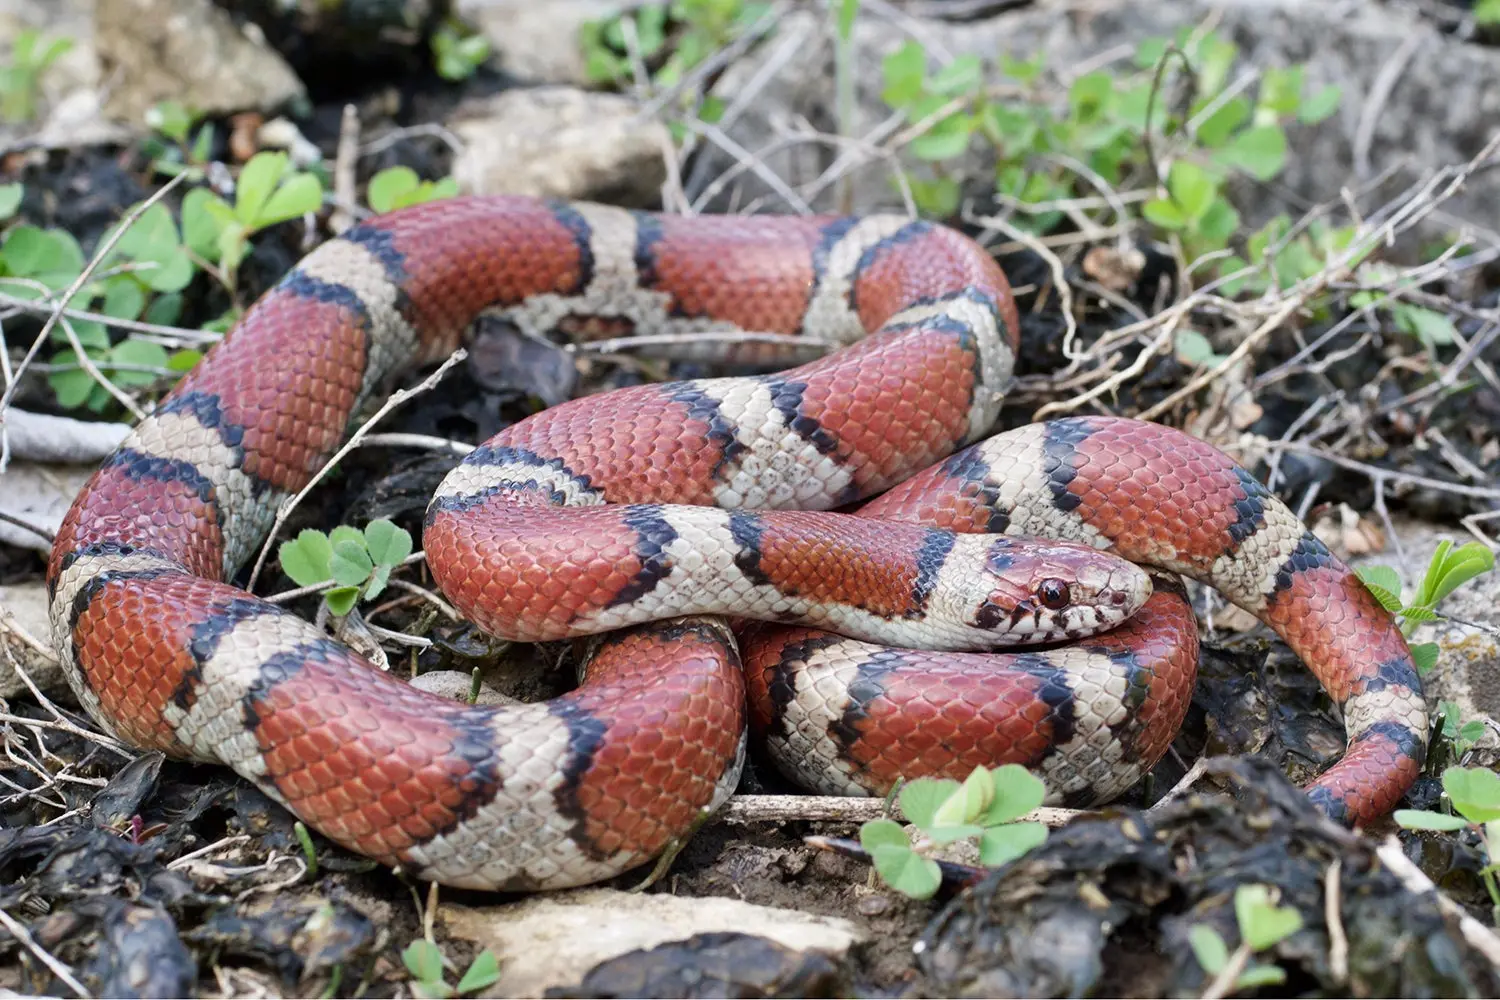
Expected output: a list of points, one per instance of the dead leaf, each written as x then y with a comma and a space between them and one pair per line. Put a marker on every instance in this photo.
1113, 268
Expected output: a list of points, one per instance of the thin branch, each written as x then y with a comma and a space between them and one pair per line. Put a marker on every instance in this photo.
831, 808
694, 78
345, 158
388, 139
318, 588
88, 365
1203, 378
177, 335
1479, 937
35, 529
1223, 983
788, 342
396, 400
721, 139
425, 441
61, 971
1376, 472
1380, 91
429, 596
1059, 273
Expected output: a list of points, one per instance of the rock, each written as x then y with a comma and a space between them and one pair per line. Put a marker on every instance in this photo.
554, 940
537, 42
23, 609
1439, 112
456, 684
188, 50
559, 142
1468, 668
39, 495
724, 963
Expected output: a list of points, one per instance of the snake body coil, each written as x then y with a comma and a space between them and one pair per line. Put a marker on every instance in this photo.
651, 513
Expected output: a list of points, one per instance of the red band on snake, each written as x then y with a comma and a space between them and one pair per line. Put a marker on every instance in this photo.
655, 514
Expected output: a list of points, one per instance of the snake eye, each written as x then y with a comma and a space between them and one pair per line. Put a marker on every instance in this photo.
1054, 594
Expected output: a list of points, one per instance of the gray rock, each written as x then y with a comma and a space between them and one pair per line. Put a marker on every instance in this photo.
456, 684
554, 939
25, 626
39, 494
559, 142
187, 50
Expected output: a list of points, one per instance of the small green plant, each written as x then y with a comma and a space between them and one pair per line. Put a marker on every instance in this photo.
1104, 125
20, 81
140, 279
1474, 794
10, 200
458, 51
986, 805
1449, 569
1262, 925
174, 149
424, 960
268, 191
1289, 258
49, 257
359, 562
673, 37
1461, 735
1487, 12
309, 852
1434, 329
1230, 135
145, 274
398, 187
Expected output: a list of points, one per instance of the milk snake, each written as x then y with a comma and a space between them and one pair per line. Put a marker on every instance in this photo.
661, 518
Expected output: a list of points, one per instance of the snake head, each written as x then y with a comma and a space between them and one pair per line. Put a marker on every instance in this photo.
1045, 591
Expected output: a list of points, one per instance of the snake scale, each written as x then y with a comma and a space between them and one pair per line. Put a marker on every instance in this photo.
831, 559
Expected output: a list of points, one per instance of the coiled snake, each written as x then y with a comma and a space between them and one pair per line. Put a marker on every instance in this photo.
660, 515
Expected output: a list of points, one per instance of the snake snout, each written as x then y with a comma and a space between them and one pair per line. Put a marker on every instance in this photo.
1042, 591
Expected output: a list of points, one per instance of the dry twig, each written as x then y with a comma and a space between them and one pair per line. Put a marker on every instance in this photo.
1479, 937
743, 809
20, 933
